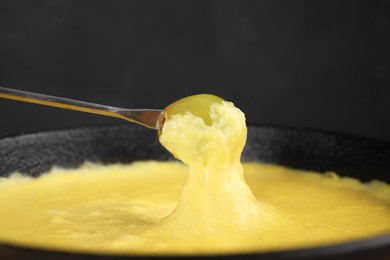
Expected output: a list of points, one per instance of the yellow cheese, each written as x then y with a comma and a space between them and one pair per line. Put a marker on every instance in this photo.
214, 205
128, 209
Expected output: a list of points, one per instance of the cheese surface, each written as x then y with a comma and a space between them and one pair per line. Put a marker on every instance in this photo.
127, 209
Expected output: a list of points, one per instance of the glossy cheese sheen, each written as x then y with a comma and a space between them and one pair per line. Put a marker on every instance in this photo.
119, 208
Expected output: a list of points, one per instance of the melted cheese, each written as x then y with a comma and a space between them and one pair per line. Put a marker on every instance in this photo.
214, 205
128, 209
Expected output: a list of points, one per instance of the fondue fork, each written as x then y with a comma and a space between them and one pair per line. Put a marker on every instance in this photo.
151, 118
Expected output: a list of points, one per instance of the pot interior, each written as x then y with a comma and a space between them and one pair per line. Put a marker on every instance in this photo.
358, 157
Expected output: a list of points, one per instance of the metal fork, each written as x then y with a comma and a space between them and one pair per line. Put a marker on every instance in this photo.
151, 118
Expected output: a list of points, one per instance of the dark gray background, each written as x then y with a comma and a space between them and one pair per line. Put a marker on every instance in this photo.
316, 64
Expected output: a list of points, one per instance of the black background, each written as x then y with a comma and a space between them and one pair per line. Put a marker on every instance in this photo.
312, 64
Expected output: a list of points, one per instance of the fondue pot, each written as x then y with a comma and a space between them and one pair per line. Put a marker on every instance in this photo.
358, 157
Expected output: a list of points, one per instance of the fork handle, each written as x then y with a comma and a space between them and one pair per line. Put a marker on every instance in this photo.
151, 118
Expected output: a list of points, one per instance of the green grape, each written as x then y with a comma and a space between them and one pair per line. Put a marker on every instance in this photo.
198, 105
